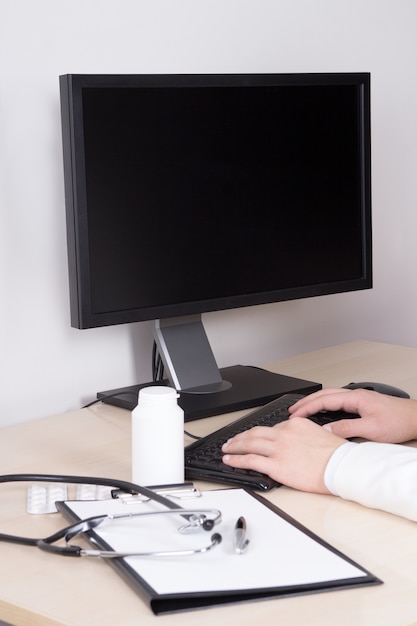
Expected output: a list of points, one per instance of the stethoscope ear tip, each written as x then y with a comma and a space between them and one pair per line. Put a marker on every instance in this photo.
216, 538
208, 524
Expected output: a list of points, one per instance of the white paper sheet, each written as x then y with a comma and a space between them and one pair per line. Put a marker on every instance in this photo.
279, 554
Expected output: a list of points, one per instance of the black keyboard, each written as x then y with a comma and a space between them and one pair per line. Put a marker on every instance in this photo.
203, 458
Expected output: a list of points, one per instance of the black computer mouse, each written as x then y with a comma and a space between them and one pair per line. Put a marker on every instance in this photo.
380, 388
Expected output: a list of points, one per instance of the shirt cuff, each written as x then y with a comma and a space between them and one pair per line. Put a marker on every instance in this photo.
333, 463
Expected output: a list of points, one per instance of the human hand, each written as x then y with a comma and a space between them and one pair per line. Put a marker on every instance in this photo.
384, 418
294, 453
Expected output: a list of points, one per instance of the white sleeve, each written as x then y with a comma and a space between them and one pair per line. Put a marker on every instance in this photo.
378, 475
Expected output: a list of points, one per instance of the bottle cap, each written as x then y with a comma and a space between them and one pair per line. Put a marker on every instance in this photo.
157, 394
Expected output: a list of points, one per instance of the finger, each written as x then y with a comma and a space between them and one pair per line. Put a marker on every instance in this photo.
316, 396
322, 392
255, 462
334, 400
251, 433
349, 428
258, 440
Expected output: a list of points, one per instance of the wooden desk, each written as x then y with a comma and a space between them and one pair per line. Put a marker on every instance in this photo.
39, 589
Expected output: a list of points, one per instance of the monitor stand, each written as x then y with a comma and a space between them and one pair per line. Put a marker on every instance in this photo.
250, 387
204, 390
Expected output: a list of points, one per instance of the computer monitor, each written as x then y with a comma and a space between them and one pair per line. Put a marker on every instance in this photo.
187, 194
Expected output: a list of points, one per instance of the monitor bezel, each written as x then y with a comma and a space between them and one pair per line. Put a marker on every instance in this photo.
72, 85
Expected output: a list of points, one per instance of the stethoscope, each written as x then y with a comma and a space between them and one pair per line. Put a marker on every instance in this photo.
204, 519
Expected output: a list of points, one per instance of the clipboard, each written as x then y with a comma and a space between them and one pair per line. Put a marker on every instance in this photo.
284, 557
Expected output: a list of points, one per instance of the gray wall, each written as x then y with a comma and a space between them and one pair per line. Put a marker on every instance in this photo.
48, 367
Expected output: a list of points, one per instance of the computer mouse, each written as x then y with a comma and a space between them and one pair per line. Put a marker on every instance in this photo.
380, 388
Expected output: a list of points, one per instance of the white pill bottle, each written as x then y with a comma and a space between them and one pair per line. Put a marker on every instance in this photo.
157, 438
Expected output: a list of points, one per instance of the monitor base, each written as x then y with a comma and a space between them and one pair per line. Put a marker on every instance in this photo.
250, 387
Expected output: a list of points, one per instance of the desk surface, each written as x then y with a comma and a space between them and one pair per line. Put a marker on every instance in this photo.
43, 590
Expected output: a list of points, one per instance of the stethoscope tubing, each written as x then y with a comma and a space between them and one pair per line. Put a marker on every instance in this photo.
123, 485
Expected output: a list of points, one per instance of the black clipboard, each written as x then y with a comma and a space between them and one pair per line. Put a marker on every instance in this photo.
302, 563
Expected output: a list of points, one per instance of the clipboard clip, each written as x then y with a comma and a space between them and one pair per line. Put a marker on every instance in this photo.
182, 491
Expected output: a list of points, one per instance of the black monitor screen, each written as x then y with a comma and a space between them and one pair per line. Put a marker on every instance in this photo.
187, 194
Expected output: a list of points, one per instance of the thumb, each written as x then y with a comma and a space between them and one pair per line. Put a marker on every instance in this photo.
344, 428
